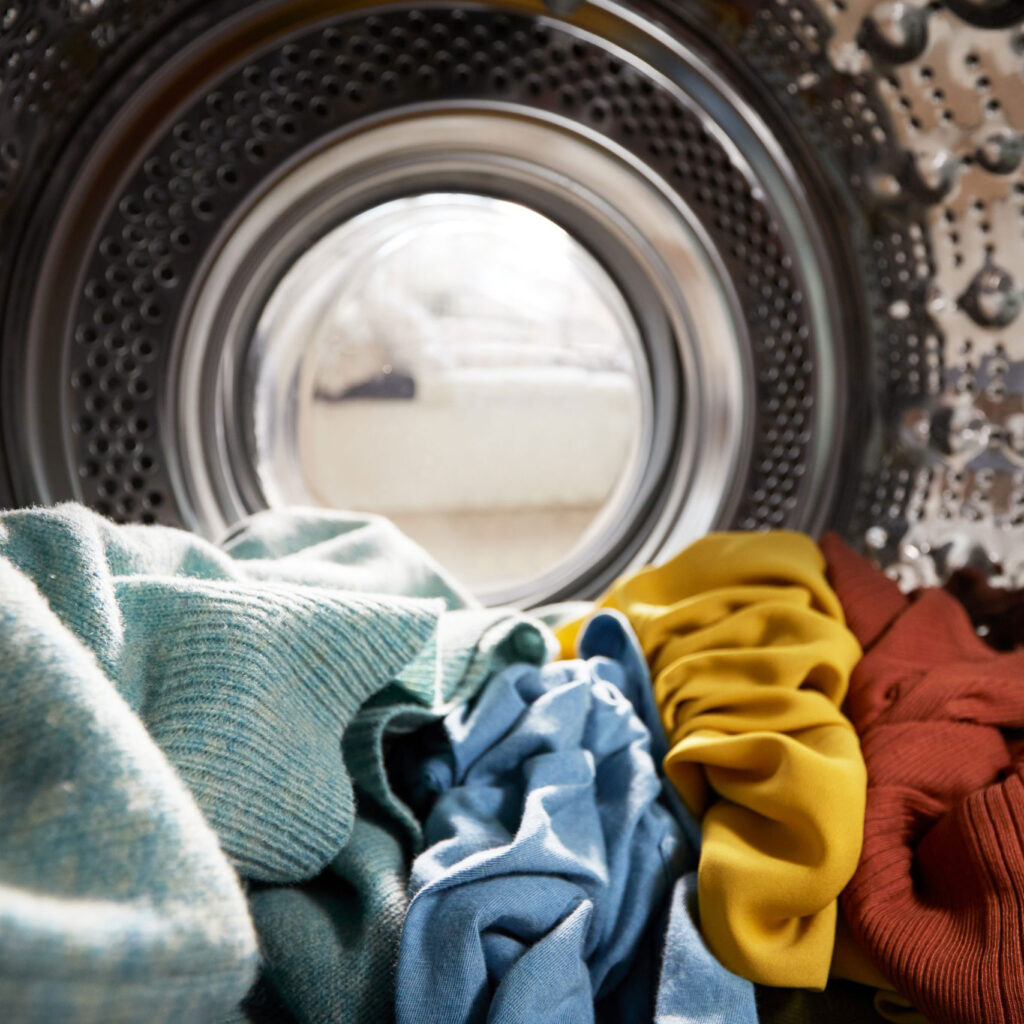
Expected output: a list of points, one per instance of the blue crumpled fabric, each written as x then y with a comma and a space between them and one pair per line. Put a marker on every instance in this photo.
692, 986
559, 883
550, 850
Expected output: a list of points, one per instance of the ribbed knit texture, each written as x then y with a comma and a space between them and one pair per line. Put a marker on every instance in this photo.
116, 902
141, 663
247, 685
330, 947
938, 897
548, 851
751, 661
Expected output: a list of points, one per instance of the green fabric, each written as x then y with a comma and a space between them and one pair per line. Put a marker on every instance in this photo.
330, 947
116, 903
136, 659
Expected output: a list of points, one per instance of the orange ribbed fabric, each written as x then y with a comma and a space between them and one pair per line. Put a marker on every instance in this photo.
938, 897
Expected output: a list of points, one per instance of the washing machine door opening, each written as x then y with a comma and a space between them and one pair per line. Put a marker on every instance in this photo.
464, 366
489, 326
495, 272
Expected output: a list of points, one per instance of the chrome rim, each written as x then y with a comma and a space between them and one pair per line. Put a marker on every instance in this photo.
283, 123
690, 339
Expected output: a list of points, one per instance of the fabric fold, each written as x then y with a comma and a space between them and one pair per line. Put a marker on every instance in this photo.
548, 850
246, 684
936, 899
116, 901
751, 660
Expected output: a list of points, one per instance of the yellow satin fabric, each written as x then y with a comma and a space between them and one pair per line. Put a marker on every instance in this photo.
751, 660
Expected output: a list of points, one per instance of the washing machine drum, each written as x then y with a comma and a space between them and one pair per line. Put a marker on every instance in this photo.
557, 287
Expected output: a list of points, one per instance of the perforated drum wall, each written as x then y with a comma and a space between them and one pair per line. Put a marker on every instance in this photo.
853, 170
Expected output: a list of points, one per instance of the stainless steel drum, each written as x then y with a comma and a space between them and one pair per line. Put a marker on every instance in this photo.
600, 275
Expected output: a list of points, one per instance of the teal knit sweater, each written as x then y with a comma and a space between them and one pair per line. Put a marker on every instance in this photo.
170, 710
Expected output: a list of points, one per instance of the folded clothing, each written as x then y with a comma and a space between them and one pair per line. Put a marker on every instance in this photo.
751, 660
548, 850
936, 899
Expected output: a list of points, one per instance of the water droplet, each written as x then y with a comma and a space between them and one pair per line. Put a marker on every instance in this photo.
992, 299
886, 186
876, 538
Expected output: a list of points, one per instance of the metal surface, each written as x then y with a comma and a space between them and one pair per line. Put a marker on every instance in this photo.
743, 313
696, 433
855, 166
951, 77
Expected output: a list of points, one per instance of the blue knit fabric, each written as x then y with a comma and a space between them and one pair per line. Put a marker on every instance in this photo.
549, 849
133, 660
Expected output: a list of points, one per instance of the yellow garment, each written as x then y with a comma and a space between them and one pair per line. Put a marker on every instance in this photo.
849, 961
751, 660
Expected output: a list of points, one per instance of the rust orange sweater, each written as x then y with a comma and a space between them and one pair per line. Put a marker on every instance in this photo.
938, 897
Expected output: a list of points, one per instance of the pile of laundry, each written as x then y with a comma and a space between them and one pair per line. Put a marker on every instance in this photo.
303, 776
